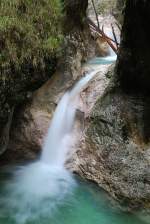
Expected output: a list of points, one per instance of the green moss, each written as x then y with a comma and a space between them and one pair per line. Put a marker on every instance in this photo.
29, 30
30, 39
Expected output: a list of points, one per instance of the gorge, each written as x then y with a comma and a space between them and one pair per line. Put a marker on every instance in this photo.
97, 105
42, 191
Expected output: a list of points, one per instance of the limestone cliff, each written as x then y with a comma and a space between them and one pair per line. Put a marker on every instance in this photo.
30, 121
115, 152
29, 44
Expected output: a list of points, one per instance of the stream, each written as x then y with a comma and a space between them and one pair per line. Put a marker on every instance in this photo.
87, 204
44, 192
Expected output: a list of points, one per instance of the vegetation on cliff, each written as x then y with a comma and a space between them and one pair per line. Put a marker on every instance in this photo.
30, 38
30, 35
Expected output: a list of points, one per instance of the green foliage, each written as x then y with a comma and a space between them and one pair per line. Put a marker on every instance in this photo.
30, 38
30, 31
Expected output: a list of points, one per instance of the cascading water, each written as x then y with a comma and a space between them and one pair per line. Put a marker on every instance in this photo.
44, 192
37, 189
112, 55
56, 144
108, 59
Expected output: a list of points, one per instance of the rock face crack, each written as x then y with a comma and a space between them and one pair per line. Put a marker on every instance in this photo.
4, 140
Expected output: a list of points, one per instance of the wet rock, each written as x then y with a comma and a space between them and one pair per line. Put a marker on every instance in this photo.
26, 59
113, 155
25, 124
104, 7
115, 150
31, 123
102, 49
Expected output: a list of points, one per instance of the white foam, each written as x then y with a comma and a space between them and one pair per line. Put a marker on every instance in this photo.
38, 188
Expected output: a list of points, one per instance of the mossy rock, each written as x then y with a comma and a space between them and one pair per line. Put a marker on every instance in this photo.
30, 39
29, 31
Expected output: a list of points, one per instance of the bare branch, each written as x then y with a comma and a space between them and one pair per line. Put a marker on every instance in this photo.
119, 27
95, 13
106, 38
114, 35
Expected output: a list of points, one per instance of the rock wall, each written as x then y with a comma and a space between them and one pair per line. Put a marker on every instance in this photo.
27, 60
115, 152
115, 149
31, 121
119, 10
133, 68
108, 7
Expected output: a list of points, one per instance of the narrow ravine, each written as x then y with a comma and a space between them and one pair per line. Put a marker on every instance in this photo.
74, 112
45, 192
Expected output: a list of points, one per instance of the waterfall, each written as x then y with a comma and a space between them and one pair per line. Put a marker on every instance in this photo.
56, 143
112, 55
38, 188
54, 150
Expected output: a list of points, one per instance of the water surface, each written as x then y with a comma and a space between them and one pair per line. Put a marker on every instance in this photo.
102, 60
87, 204
40, 193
